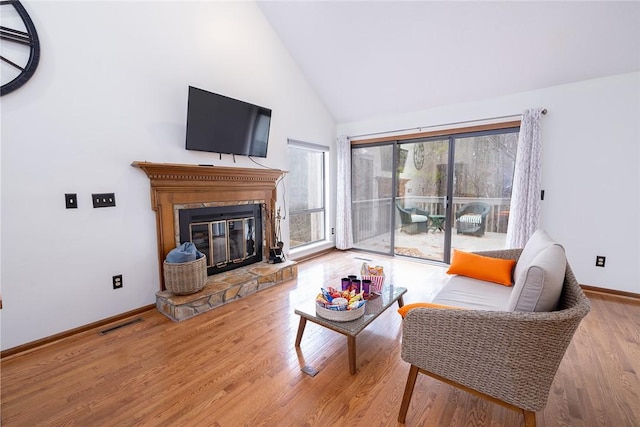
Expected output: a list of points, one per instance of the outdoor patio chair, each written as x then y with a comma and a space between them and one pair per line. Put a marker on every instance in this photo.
413, 220
472, 218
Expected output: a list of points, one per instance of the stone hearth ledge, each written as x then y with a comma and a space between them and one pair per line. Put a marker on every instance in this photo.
225, 287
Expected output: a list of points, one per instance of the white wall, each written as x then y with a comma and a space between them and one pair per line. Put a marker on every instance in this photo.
111, 88
591, 163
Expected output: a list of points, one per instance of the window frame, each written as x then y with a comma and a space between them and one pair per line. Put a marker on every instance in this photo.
311, 147
451, 135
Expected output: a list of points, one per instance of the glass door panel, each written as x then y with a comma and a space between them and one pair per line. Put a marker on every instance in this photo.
420, 192
236, 240
219, 243
200, 238
372, 197
482, 181
249, 228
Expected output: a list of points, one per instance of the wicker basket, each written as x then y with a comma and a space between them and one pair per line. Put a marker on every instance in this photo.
185, 278
340, 316
376, 283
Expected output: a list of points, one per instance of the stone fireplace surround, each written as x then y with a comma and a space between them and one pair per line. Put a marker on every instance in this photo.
174, 186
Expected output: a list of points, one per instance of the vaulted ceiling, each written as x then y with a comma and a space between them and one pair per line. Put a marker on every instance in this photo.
370, 58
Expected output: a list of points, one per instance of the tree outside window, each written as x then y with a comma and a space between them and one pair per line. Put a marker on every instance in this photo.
306, 195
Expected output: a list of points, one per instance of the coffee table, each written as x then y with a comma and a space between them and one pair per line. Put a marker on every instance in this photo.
374, 308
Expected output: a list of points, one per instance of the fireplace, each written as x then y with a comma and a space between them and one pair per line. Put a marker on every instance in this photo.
176, 187
229, 236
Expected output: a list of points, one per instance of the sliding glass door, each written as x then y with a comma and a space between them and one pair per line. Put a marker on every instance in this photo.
483, 177
424, 197
421, 190
372, 195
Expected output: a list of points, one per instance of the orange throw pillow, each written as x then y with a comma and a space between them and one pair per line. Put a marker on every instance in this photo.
405, 308
480, 267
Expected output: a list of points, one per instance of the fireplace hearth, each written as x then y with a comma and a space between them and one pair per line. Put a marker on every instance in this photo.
224, 288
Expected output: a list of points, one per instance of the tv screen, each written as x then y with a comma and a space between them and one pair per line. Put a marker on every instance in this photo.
220, 124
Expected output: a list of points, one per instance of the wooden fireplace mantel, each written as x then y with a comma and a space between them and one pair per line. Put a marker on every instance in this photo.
179, 184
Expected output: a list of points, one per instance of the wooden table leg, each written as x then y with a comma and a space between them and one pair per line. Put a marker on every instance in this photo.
351, 345
301, 325
400, 302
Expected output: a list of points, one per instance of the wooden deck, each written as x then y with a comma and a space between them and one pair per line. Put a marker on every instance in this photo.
431, 245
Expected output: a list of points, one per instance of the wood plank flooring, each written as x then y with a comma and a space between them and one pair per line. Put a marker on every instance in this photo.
237, 366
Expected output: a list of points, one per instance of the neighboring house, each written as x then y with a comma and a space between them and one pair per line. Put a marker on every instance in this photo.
111, 88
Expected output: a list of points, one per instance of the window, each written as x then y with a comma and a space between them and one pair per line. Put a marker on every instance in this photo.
306, 190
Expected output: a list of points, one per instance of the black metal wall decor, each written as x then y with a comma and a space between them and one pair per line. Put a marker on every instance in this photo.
20, 46
418, 155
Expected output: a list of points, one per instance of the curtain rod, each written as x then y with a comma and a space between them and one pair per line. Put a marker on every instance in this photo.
420, 128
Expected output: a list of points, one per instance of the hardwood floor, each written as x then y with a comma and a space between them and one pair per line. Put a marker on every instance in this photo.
237, 366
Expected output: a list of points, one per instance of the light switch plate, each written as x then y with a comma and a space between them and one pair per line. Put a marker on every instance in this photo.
103, 200
71, 200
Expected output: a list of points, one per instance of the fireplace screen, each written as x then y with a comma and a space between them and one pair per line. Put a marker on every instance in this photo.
229, 236
225, 241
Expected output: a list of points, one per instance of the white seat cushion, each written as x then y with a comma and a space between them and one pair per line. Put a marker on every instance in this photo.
471, 218
418, 218
539, 276
474, 294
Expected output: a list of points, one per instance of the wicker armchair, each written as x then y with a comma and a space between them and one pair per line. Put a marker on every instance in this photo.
472, 218
413, 220
509, 358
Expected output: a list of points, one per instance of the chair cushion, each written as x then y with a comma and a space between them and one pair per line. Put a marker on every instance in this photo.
538, 241
418, 218
539, 276
471, 218
473, 294
481, 267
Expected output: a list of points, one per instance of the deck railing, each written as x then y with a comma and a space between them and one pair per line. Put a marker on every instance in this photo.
373, 217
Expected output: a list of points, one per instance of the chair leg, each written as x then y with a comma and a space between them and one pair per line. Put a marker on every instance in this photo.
529, 418
408, 391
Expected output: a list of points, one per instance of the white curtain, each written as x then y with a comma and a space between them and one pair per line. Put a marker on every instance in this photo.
344, 232
525, 195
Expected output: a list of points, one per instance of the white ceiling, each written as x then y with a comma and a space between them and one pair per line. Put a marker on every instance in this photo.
370, 58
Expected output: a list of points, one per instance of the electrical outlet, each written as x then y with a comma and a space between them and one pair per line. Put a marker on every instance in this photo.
333, 230
600, 261
117, 281
103, 200
71, 200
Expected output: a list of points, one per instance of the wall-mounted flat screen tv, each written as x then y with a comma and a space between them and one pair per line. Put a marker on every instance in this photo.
220, 124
